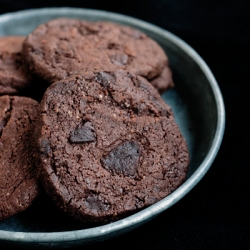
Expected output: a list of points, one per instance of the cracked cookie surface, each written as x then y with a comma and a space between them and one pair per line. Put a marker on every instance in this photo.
65, 47
108, 146
18, 182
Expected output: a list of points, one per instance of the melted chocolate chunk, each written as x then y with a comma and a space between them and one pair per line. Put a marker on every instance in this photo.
113, 46
105, 79
83, 133
124, 159
119, 60
45, 147
96, 203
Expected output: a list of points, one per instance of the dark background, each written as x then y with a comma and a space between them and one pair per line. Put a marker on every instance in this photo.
216, 213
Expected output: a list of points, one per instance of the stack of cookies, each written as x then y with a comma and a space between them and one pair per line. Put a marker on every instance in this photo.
102, 143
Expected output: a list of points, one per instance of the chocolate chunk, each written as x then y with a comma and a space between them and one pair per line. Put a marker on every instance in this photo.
96, 203
105, 78
113, 46
45, 147
124, 159
83, 133
119, 60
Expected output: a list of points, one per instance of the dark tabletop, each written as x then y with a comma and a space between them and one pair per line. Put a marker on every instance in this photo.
216, 213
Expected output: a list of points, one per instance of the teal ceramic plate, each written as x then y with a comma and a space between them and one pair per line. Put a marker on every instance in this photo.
198, 108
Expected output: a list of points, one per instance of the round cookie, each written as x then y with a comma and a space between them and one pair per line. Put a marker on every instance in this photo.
14, 75
164, 81
65, 47
108, 146
18, 183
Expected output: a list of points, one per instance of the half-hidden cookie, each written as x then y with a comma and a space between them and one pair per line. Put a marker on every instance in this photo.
65, 47
164, 81
108, 146
14, 76
18, 182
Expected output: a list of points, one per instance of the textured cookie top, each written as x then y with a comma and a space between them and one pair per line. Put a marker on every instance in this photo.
13, 72
18, 185
108, 145
64, 47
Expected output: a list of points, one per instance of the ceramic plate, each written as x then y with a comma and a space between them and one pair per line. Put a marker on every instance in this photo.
198, 108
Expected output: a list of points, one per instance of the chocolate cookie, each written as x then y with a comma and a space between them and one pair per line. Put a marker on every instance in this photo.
108, 146
18, 183
64, 47
14, 76
164, 81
